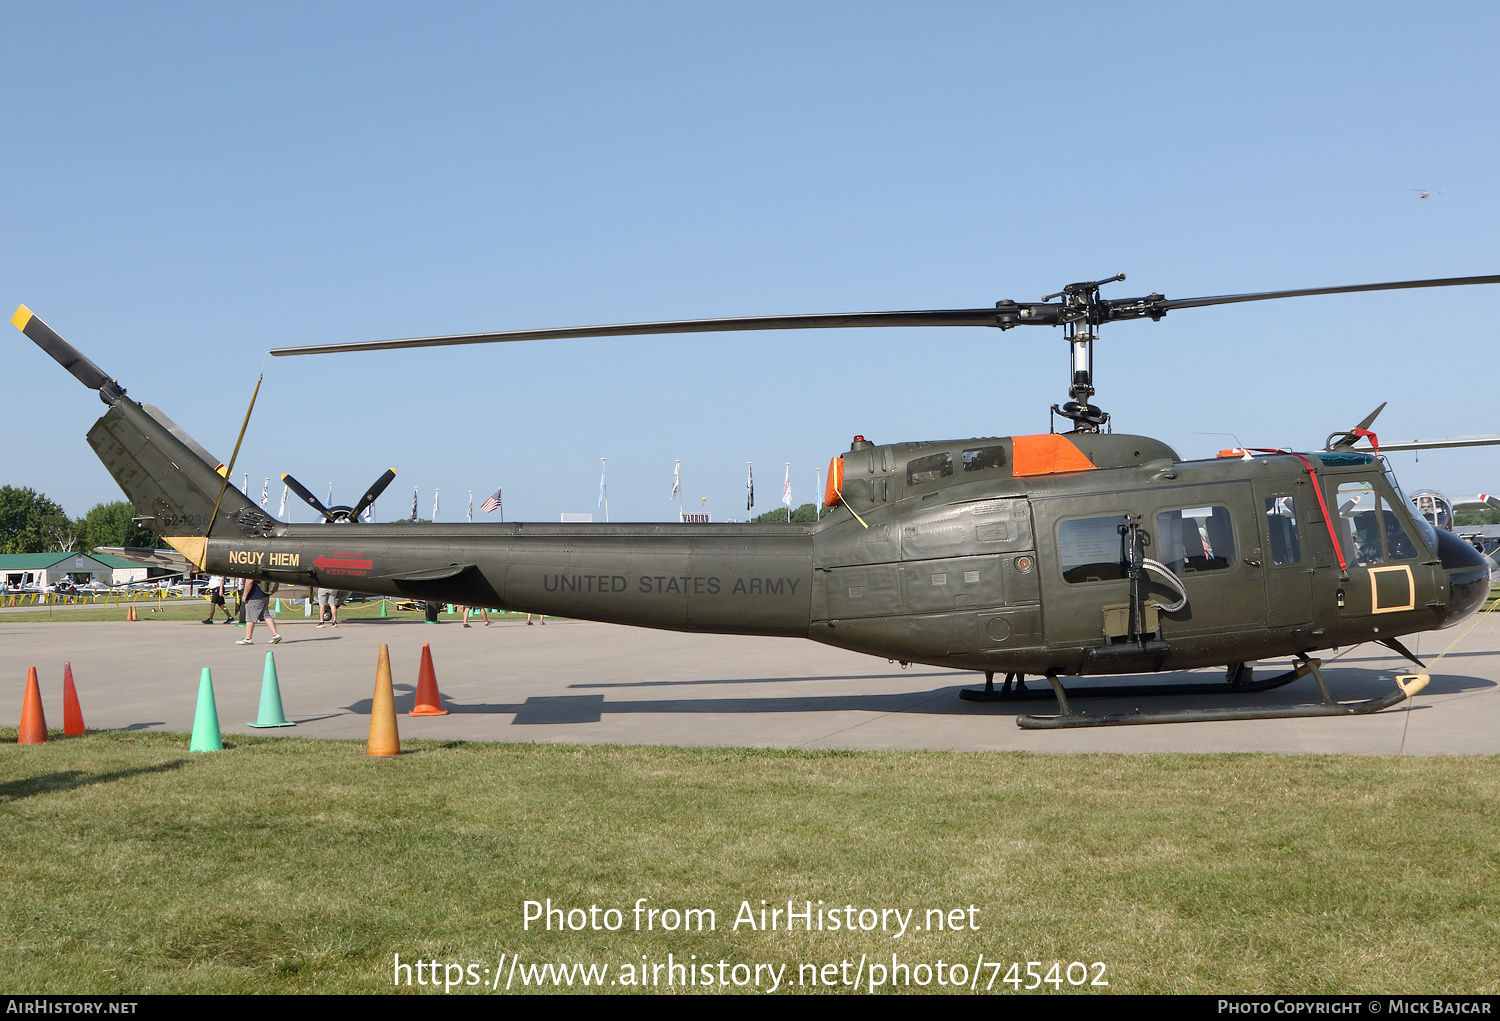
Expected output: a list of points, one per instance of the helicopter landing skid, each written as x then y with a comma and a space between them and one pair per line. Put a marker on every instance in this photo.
1022, 693
1407, 686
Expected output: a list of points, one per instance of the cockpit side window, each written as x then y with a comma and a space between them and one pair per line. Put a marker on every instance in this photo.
1281, 523
1372, 531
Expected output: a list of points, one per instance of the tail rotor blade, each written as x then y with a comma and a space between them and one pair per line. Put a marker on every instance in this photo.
372, 493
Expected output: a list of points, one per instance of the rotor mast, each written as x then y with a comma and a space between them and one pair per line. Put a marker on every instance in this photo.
1080, 323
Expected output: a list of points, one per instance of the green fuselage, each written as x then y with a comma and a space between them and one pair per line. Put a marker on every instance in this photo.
938, 553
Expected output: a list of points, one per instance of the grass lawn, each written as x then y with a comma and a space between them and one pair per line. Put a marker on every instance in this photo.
288, 865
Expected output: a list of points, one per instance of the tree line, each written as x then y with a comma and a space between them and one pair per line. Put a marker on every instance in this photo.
807, 514
31, 523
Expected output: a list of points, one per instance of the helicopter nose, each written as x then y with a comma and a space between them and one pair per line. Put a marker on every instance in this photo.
1468, 573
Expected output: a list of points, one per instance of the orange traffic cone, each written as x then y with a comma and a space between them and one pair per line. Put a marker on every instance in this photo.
130, 613
429, 702
33, 722
384, 740
72, 711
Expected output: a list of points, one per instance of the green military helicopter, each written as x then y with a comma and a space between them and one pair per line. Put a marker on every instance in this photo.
1077, 553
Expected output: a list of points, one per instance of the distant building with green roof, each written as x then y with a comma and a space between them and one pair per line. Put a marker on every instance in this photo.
18, 569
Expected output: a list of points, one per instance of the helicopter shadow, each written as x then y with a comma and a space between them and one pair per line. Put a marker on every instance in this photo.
758, 680
1346, 685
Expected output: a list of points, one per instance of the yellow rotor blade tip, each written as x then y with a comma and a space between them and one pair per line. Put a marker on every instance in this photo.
22, 317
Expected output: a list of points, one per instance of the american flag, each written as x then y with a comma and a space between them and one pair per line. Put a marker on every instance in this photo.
491, 505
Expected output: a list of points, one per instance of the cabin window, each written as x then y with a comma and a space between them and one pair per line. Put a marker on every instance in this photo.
1281, 523
982, 458
929, 468
1091, 549
1194, 540
1367, 521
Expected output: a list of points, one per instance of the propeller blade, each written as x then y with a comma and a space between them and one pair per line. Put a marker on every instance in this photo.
1227, 299
371, 494
307, 497
68, 356
951, 317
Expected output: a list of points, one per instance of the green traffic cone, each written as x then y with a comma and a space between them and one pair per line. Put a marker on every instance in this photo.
270, 714
206, 736
383, 611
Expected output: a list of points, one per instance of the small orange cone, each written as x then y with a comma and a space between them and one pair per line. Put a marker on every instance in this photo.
130, 613
72, 711
429, 702
384, 740
33, 723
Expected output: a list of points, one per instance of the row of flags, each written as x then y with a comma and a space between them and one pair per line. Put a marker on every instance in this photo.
491, 504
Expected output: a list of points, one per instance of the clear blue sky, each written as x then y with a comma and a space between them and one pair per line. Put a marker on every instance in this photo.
188, 185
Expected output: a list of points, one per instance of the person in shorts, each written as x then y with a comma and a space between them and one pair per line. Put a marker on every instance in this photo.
216, 600
328, 606
257, 603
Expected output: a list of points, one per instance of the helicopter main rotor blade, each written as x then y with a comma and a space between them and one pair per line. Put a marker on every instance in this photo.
1227, 299
1457, 441
307, 497
949, 317
371, 493
1005, 315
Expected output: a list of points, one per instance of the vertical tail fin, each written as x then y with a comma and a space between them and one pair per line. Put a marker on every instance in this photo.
170, 479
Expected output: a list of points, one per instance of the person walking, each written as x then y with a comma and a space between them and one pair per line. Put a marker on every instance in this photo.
483, 610
216, 600
328, 606
256, 603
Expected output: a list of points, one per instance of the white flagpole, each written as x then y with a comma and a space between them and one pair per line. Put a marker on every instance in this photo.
414, 503
265, 492
471, 506
677, 486
434, 504
329, 502
786, 492
604, 488
246, 487
820, 494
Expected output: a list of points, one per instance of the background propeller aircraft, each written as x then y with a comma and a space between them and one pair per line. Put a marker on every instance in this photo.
1085, 552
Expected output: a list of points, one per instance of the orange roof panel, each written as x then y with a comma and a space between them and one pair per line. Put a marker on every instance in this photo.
1047, 454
